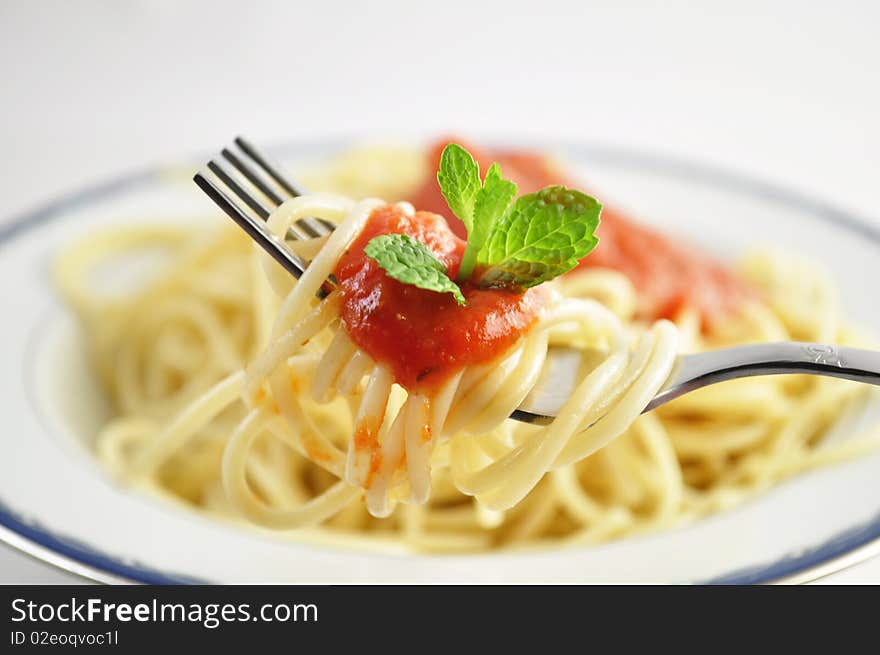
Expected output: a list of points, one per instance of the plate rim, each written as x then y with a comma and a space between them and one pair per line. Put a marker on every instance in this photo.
852, 546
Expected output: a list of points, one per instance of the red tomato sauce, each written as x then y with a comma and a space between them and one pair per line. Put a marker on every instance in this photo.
669, 276
425, 336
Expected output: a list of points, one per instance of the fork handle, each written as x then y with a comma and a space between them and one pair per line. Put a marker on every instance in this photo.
702, 369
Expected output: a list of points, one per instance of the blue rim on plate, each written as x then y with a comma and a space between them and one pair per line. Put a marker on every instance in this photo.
852, 546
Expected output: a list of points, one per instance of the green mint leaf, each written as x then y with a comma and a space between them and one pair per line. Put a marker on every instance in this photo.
459, 178
542, 236
411, 262
492, 201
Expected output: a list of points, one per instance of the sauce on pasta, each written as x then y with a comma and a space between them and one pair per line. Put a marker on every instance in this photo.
422, 335
669, 276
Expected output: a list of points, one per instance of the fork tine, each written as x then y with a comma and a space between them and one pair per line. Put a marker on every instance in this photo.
311, 227
252, 176
255, 224
295, 231
258, 207
307, 225
255, 227
270, 168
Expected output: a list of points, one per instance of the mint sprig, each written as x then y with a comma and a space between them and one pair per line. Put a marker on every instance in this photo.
492, 201
542, 236
511, 245
459, 178
411, 262
478, 204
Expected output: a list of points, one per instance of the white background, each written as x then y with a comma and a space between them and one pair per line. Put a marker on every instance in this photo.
782, 90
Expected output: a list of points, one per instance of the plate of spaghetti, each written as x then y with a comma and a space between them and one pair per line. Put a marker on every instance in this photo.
179, 408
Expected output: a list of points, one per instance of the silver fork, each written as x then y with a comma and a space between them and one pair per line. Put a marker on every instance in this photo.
254, 181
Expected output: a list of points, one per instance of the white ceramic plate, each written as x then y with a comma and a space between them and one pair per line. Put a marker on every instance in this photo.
57, 504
